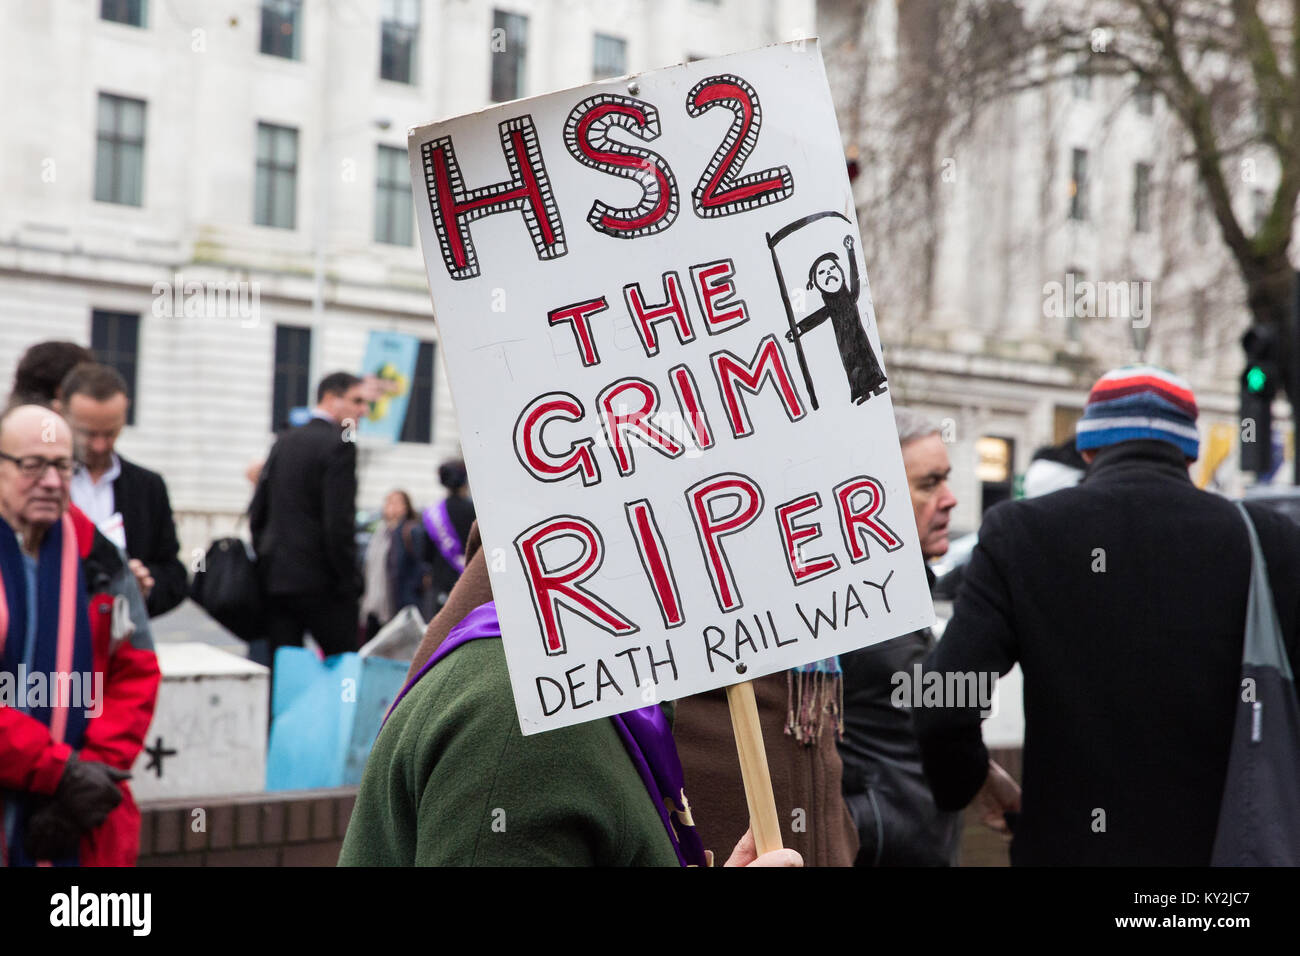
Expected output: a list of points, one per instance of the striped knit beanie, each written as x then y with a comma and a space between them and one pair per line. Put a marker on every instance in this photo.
1139, 401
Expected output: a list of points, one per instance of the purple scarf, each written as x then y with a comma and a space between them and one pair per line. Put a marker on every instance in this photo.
645, 733
437, 521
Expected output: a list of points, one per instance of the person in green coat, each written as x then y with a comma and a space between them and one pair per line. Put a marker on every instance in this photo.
451, 781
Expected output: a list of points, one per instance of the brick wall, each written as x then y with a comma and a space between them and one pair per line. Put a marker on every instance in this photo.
306, 827
290, 828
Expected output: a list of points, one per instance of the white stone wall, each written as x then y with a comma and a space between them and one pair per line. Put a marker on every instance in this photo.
203, 408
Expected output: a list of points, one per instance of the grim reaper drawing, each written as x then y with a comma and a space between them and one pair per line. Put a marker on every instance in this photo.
840, 305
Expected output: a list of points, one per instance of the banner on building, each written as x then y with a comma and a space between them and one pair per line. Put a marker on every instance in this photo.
389, 369
661, 346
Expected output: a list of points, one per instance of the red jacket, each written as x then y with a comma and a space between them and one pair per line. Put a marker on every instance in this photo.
30, 758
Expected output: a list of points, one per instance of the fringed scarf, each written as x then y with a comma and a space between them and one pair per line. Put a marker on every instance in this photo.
812, 692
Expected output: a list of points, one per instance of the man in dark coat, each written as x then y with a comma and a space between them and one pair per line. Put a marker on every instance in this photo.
303, 520
884, 785
1124, 601
127, 502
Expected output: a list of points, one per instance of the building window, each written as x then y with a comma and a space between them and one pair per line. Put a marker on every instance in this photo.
1259, 204
1200, 322
1074, 277
1142, 197
418, 426
1079, 185
1065, 421
995, 460
277, 176
130, 12
290, 378
398, 40
281, 26
115, 340
1081, 81
609, 58
119, 150
509, 55
1140, 304
393, 206
1144, 97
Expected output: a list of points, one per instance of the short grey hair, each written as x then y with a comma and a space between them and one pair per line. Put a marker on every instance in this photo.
913, 424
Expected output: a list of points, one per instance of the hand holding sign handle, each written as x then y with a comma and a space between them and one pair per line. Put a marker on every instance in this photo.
753, 767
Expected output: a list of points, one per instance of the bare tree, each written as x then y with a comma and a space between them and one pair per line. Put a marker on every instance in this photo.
1227, 69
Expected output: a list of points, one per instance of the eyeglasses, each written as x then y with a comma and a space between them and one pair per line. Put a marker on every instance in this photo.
34, 466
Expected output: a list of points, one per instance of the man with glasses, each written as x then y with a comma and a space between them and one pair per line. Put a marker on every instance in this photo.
77, 682
38, 380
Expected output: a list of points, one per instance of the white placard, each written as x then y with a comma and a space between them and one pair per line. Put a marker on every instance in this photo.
674, 492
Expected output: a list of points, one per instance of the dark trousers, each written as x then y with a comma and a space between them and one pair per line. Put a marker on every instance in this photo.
331, 620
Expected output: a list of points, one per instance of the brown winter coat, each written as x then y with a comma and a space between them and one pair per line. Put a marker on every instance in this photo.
804, 778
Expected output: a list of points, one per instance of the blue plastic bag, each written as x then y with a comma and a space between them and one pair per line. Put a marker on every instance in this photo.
325, 716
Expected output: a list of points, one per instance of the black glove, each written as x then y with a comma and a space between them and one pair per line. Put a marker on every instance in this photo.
50, 833
88, 791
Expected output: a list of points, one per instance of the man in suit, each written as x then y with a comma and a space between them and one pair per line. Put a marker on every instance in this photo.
128, 503
1124, 601
303, 519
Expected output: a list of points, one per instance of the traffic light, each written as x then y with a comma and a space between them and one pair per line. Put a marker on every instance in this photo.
1260, 381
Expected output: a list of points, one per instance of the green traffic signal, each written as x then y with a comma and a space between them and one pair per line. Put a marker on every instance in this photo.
1256, 379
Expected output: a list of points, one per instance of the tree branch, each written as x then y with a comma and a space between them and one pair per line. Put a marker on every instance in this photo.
1272, 86
1195, 111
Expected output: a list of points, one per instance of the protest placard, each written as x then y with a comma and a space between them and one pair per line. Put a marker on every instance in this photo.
660, 343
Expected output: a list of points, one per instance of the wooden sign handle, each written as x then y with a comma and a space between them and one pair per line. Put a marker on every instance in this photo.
753, 767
